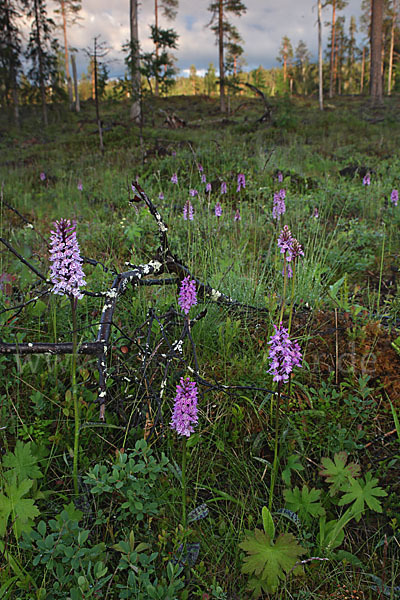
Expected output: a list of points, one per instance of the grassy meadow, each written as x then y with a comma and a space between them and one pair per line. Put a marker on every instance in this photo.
283, 491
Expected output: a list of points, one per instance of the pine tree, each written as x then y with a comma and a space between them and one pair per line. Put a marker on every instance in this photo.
68, 10
258, 77
285, 55
224, 32
376, 87
393, 18
234, 52
160, 66
302, 55
341, 46
210, 79
351, 54
42, 49
337, 5
194, 80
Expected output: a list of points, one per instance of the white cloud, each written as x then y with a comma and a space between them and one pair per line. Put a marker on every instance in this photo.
262, 28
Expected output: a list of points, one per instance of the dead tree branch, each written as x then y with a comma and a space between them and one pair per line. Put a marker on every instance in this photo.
136, 275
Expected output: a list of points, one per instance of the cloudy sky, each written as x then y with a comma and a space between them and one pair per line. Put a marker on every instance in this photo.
262, 28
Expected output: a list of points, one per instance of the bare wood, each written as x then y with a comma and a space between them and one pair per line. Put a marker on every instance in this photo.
320, 78
76, 89
69, 82
40, 55
389, 91
156, 87
222, 102
333, 42
362, 71
136, 112
91, 348
376, 88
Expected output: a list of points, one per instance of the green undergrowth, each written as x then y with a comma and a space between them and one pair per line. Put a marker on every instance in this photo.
334, 517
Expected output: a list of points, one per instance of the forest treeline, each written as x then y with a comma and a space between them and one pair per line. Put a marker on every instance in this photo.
358, 56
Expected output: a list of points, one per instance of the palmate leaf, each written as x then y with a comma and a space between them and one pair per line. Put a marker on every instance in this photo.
21, 464
22, 511
363, 492
269, 561
305, 503
337, 472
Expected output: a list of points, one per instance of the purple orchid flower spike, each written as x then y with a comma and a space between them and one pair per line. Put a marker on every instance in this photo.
188, 212
66, 272
187, 294
185, 415
241, 182
218, 209
284, 354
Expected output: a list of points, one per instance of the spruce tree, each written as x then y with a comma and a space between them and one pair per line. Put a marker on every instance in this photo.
41, 50
10, 54
302, 55
168, 8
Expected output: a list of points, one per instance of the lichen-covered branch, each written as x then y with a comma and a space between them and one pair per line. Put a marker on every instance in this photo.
152, 352
92, 348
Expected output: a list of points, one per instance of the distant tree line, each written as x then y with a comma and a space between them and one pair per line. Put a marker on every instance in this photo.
42, 68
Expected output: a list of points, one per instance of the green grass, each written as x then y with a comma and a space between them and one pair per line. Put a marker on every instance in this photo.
231, 454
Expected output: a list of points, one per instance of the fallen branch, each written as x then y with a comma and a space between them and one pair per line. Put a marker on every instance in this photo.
136, 275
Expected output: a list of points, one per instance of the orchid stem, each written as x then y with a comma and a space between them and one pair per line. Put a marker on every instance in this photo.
75, 395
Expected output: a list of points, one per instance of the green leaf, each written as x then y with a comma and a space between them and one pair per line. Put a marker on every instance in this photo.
331, 534
21, 510
363, 492
293, 464
6, 589
269, 562
37, 308
348, 557
268, 523
22, 464
337, 472
395, 419
305, 503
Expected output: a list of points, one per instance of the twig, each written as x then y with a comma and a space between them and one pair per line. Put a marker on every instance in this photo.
23, 260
